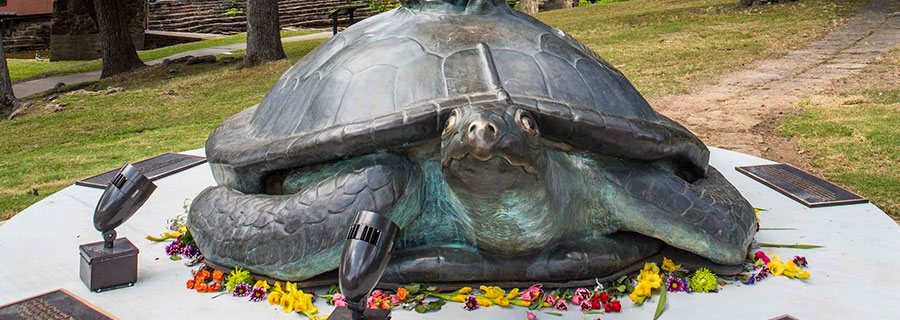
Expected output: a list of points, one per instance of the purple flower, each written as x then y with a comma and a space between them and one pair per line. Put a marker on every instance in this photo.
686, 288
258, 294
674, 284
532, 293
762, 274
471, 303
241, 290
550, 299
190, 251
800, 261
175, 248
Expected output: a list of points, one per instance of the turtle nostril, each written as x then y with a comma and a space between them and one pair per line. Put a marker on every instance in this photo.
492, 129
472, 127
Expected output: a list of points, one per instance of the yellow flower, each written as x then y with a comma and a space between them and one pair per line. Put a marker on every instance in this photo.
502, 301
651, 266
274, 298
493, 292
636, 298
803, 275
459, 298
642, 289
277, 287
261, 284
775, 267
653, 280
484, 302
290, 287
521, 303
668, 265
303, 303
513, 293
287, 303
464, 290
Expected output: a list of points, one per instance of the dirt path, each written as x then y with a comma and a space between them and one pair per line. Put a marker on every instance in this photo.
740, 112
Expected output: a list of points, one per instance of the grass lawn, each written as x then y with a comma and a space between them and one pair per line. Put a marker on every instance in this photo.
20, 69
664, 46
853, 135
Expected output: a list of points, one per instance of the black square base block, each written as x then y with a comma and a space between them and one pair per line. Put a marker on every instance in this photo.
342, 313
108, 268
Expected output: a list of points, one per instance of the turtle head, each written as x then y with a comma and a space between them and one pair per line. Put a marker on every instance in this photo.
491, 147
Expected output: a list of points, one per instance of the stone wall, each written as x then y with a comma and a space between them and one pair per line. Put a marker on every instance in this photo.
74, 34
27, 33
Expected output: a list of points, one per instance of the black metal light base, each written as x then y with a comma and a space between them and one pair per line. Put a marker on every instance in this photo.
344, 313
105, 268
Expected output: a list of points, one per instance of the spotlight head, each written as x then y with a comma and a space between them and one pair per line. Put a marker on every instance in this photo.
127, 192
367, 251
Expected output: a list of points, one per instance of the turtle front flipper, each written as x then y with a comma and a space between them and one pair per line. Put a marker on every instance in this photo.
299, 235
708, 217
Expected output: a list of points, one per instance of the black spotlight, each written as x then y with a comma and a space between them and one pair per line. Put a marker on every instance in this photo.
112, 263
367, 251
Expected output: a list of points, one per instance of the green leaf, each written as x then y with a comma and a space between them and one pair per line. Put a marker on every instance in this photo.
187, 238
421, 308
621, 288
621, 279
436, 305
537, 303
334, 289
592, 312
554, 313
413, 288
432, 288
791, 246
661, 304
568, 294
174, 258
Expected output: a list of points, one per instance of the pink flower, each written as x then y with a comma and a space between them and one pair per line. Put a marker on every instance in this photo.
532, 292
339, 300
373, 302
550, 300
377, 293
396, 299
561, 305
581, 294
530, 316
762, 256
586, 305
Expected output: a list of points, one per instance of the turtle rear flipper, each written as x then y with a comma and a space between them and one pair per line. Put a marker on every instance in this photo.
707, 217
298, 236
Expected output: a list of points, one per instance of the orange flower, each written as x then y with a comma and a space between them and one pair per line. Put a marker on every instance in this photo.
217, 275
215, 287
385, 304
202, 287
204, 273
401, 293
190, 284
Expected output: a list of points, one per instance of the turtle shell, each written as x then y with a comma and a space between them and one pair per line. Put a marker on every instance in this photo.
390, 80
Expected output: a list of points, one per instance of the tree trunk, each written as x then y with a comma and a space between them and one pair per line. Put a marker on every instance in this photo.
529, 6
263, 37
8, 101
119, 54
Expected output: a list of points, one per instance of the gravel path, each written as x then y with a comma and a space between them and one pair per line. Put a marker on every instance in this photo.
729, 113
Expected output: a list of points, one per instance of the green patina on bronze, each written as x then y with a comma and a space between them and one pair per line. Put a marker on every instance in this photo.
504, 149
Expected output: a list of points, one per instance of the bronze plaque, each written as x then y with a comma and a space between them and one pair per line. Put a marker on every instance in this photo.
154, 168
800, 185
57, 304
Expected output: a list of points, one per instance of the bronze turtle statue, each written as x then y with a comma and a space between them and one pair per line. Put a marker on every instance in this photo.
503, 148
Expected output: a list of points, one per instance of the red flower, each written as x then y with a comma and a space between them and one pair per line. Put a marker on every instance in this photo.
202, 287
190, 284
616, 306
595, 304
215, 287
607, 307
604, 297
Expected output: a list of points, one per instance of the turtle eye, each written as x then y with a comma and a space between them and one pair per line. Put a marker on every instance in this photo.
451, 121
527, 122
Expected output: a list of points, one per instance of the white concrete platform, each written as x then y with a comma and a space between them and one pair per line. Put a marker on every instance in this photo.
854, 277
